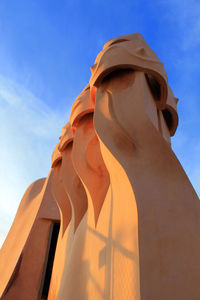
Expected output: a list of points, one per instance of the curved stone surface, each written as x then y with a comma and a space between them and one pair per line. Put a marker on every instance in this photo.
65, 210
20, 278
163, 200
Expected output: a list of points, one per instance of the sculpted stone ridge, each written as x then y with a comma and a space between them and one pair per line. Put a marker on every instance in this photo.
66, 138
56, 157
81, 106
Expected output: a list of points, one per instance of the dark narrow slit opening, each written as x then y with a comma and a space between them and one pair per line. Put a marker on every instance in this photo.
50, 259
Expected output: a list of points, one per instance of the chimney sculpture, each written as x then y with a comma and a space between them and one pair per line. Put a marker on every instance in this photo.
24, 254
130, 218
88, 163
157, 210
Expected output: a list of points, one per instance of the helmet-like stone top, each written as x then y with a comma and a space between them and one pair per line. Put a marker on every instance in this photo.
81, 106
130, 52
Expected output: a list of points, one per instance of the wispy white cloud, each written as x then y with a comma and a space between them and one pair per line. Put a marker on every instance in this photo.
29, 131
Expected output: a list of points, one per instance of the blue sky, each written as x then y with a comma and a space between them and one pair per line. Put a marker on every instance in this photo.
46, 49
